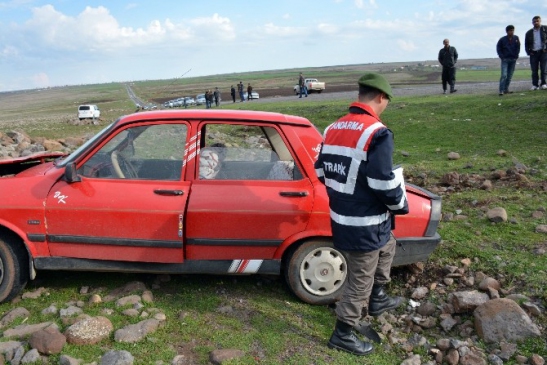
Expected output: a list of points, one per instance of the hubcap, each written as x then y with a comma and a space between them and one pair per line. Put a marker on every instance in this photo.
323, 271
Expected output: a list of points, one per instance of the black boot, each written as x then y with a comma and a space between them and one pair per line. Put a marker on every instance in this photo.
344, 339
380, 302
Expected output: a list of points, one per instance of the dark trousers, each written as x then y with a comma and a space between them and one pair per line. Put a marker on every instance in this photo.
538, 62
364, 269
449, 77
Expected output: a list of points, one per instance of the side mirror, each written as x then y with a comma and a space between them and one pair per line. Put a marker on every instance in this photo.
71, 174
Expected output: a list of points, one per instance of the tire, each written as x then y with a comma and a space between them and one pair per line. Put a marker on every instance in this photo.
13, 268
316, 272
319, 91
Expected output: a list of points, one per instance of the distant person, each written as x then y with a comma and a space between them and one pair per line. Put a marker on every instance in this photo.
448, 56
249, 91
535, 45
302, 86
233, 93
216, 94
508, 49
240, 90
208, 99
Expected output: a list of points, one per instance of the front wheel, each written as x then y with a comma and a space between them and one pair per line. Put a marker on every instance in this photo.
316, 272
13, 269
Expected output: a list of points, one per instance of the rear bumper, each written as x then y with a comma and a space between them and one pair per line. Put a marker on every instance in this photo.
410, 250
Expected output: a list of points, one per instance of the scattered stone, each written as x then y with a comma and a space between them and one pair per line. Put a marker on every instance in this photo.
497, 215
486, 185
448, 322
84, 290
48, 341
414, 359
89, 331
134, 286
113, 357
67, 360
131, 312
95, 299
531, 308
503, 320
128, 300
217, 357
419, 293
426, 309
537, 214
494, 360
136, 332
502, 153
31, 357
535, 359
25, 330
451, 179
467, 301
34, 294
507, 350
473, 357
12, 315
489, 282
453, 156
52, 309
452, 357
147, 296
70, 311
542, 228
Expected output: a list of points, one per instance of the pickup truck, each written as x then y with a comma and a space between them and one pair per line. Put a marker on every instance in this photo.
188, 191
312, 85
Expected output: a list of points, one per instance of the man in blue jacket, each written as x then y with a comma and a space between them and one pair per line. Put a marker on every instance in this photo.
355, 164
508, 49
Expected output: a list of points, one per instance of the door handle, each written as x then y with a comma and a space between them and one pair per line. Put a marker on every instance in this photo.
168, 192
294, 193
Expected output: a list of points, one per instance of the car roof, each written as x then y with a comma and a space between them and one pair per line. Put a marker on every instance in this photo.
215, 114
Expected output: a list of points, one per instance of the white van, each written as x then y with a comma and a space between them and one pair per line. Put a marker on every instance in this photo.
88, 111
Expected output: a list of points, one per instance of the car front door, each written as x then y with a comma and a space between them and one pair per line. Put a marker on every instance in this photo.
130, 202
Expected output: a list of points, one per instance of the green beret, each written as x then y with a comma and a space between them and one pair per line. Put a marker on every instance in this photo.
376, 81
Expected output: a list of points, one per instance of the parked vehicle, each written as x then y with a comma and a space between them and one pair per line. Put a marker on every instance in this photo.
190, 101
219, 192
254, 95
200, 99
88, 111
311, 85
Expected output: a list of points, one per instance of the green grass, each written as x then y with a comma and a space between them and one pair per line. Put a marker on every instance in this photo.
266, 321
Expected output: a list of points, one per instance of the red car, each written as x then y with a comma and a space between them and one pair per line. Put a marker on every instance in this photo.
190, 191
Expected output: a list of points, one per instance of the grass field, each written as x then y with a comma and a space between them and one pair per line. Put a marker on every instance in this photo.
265, 320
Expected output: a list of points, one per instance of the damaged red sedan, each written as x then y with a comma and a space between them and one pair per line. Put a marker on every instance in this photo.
191, 191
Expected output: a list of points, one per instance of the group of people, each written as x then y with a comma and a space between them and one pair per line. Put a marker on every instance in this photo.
508, 49
212, 96
241, 92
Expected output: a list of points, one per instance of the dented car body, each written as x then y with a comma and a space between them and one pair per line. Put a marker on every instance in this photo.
140, 196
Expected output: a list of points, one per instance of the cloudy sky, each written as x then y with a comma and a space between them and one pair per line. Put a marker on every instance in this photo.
67, 42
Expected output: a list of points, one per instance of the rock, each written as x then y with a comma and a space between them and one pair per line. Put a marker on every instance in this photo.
443, 344
136, 332
414, 359
48, 341
12, 315
217, 357
131, 312
473, 357
537, 214
128, 300
494, 360
542, 228
25, 330
419, 293
497, 215
489, 282
113, 357
451, 179
531, 308
31, 357
426, 309
486, 185
70, 311
452, 357
89, 331
503, 320
34, 294
502, 153
535, 359
448, 322
453, 156
507, 350
95, 299
9, 347
147, 296
134, 286
467, 301
52, 309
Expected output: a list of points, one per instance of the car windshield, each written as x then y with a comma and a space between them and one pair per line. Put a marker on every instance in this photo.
78, 151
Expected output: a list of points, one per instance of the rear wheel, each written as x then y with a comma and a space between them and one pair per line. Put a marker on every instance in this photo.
316, 272
13, 268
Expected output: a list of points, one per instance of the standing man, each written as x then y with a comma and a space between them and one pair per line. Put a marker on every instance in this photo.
233, 93
535, 45
240, 89
355, 164
216, 94
508, 49
302, 85
249, 92
448, 56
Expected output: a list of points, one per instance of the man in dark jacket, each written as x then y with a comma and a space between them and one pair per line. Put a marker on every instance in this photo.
448, 56
355, 164
233, 93
535, 45
508, 49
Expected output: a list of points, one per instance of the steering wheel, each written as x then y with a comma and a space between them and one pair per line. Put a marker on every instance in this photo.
118, 160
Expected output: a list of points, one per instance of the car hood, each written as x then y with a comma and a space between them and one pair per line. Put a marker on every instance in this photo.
35, 164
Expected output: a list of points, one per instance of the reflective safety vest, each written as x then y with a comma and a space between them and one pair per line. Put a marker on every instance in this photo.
355, 164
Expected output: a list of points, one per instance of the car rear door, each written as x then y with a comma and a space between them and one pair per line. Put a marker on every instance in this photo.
257, 199
135, 214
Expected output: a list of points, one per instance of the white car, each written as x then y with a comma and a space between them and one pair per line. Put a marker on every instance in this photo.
88, 111
254, 95
200, 99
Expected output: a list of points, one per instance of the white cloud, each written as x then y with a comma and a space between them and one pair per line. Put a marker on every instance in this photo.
41, 79
406, 45
275, 30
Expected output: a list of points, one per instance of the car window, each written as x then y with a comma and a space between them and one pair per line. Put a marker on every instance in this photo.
149, 152
243, 152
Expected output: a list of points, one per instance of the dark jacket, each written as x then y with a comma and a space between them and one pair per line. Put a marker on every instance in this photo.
448, 57
529, 40
508, 48
355, 164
